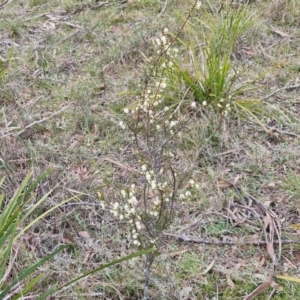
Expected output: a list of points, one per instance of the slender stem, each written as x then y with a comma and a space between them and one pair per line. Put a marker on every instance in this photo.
178, 33
147, 272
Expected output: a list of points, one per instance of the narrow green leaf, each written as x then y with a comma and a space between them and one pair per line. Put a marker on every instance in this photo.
6, 250
1, 196
49, 291
190, 83
5, 235
25, 273
25, 228
115, 262
12, 219
36, 182
28, 287
11, 206
288, 278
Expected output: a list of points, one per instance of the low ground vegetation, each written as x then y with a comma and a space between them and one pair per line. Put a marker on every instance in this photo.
170, 129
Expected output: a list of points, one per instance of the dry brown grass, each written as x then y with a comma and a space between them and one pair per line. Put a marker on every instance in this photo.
70, 70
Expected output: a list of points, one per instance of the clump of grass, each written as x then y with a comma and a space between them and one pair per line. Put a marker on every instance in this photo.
204, 74
207, 75
13, 215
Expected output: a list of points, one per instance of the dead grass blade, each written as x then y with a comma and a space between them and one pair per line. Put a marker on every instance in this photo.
269, 236
288, 278
127, 168
263, 287
272, 226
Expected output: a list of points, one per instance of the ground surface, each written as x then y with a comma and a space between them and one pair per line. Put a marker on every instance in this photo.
70, 66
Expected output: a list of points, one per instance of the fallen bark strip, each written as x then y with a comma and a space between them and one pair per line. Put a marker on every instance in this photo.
224, 243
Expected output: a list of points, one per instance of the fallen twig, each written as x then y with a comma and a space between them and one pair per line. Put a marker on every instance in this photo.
18, 130
279, 32
89, 5
292, 87
81, 203
163, 9
119, 164
283, 132
225, 243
